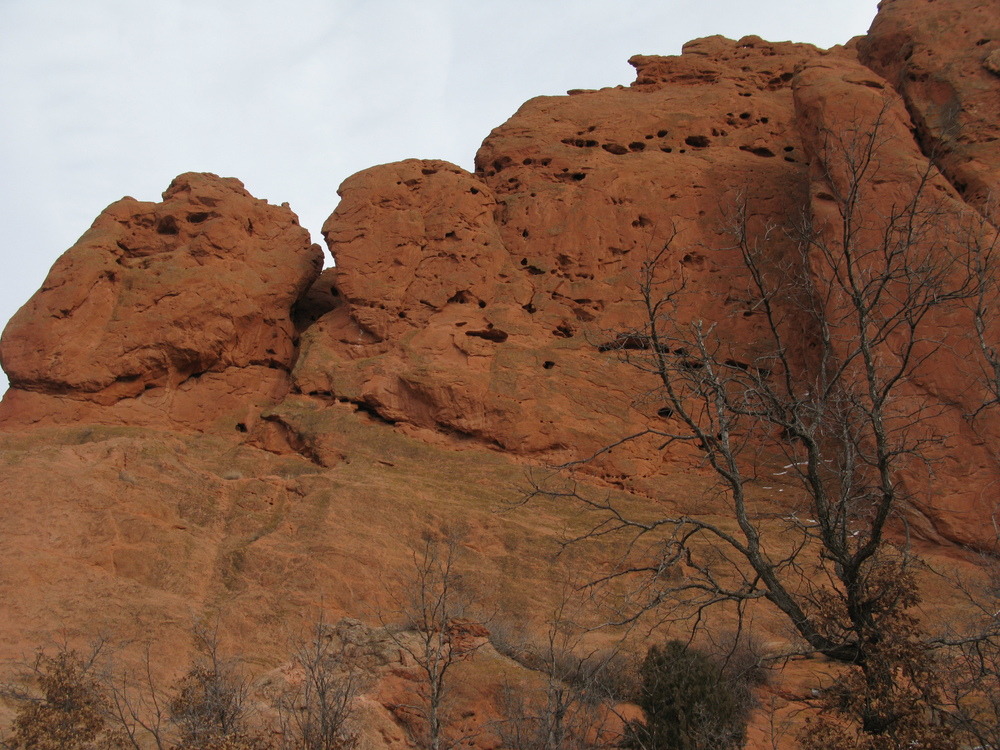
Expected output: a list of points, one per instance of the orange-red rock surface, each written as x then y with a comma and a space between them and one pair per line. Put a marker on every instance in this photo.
942, 57
178, 303
199, 421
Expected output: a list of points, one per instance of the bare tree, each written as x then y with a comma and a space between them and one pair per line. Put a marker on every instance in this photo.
571, 706
868, 290
139, 706
315, 713
435, 633
210, 705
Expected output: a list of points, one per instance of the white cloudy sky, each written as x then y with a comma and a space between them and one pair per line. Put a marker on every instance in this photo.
105, 98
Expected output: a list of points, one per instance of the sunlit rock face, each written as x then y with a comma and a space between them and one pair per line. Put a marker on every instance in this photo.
156, 297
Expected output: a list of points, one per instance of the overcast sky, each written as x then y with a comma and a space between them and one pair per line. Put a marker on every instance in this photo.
105, 98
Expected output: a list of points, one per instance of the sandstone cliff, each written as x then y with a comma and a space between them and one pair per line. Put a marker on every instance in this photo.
199, 420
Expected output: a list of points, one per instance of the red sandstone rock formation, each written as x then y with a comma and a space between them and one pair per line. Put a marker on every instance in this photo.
474, 305
941, 56
468, 310
156, 297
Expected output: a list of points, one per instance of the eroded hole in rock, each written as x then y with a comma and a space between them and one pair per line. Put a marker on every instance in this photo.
764, 120
167, 225
490, 334
666, 149
642, 221
757, 150
665, 412
981, 42
789, 148
501, 163
745, 93
450, 235
411, 183
460, 297
199, 217
577, 176
534, 270
546, 161
636, 146
240, 427
548, 364
482, 303
524, 261
401, 314
474, 191
661, 133
615, 148
428, 170
697, 141
525, 233
563, 331
529, 308
824, 197
745, 115
736, 364
631, 341
528, 161
365, 408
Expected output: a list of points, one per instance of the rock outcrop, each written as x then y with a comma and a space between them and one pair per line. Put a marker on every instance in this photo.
162, 309
202, 421
941, 57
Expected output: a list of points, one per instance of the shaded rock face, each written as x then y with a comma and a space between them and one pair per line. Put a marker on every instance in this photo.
155, 296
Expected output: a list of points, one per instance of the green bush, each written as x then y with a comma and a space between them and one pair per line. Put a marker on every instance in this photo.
688, 702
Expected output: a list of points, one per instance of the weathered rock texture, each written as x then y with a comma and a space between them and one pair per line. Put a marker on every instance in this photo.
299, 432
157, 296
476, 305
942, 57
